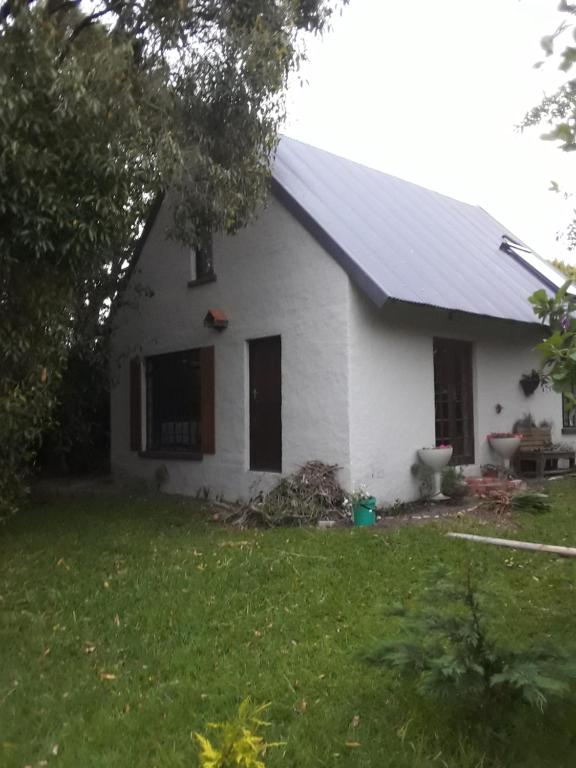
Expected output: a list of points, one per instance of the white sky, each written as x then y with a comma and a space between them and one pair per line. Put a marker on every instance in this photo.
431, 92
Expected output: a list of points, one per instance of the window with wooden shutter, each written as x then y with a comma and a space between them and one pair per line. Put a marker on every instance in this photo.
207, 411
135, 405
180, 404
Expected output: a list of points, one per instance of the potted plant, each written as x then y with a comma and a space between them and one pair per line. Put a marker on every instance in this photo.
505, 444
435, 458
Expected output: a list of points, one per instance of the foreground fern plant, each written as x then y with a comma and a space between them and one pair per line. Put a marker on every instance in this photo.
446, 645
239, 745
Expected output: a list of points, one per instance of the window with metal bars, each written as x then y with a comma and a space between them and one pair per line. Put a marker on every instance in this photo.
173, 401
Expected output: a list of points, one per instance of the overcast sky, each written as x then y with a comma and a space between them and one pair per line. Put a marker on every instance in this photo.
431, 92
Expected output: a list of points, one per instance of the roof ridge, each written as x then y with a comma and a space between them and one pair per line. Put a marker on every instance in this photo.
371, 168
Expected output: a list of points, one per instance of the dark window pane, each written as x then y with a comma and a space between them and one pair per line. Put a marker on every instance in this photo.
204, 260
453, 398
173, 401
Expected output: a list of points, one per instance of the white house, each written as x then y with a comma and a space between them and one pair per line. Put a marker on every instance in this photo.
357, 319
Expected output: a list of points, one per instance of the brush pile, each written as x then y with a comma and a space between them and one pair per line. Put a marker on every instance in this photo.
504, 502
311, 494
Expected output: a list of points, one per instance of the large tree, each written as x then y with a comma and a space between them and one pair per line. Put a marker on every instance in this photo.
103, 106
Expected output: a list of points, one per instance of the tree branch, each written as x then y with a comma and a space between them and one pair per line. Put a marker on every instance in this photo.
87, 21
55, 6
7, 9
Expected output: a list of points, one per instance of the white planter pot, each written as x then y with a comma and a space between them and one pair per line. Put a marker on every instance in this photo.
436, 459
505, 447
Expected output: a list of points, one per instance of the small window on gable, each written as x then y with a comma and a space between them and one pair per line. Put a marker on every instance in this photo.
202, 263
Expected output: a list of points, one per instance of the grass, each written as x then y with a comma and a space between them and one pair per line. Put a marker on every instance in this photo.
127, 624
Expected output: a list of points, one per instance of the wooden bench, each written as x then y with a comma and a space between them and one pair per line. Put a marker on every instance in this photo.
537, 457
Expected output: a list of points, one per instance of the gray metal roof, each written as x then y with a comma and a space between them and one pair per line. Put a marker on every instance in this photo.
400, 241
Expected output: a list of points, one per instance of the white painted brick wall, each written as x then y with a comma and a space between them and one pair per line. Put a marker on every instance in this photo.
273, 278
392, 388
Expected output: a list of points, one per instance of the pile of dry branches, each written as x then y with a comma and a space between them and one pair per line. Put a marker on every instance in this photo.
311, 494
504, 502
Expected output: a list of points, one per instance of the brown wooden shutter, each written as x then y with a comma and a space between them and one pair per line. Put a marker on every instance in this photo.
135, 405
207, 409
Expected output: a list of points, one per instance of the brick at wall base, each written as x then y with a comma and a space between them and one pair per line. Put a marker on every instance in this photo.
486, 486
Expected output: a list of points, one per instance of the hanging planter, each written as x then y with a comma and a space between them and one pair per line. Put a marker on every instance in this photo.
530, 382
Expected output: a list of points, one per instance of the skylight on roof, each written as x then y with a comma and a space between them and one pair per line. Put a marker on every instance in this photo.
535, 263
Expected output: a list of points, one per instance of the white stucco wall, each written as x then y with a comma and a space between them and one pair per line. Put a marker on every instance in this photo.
273, 278
392, 388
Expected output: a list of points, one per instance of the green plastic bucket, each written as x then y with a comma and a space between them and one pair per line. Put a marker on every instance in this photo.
364, 512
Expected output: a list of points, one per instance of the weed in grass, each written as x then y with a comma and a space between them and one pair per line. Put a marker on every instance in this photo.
238, 744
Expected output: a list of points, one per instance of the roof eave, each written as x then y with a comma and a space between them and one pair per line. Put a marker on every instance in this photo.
458, 311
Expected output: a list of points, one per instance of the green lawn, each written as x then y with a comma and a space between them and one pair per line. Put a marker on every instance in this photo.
127, 624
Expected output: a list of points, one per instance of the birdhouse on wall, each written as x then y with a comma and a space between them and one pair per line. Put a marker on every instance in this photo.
216, 319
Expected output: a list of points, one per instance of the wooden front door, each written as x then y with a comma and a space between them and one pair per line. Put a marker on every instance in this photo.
266, 404
453, 398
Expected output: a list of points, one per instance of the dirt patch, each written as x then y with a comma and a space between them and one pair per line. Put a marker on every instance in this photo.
422, 512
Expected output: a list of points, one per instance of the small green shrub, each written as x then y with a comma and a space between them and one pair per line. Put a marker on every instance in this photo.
239, 745
446, 645
453, 483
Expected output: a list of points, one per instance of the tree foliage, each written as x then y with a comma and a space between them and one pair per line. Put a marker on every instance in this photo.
558, 347
103, 105
556, 113
568, 270
558, 110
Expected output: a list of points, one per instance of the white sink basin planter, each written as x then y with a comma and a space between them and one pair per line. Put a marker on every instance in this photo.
505, 444
436, 459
